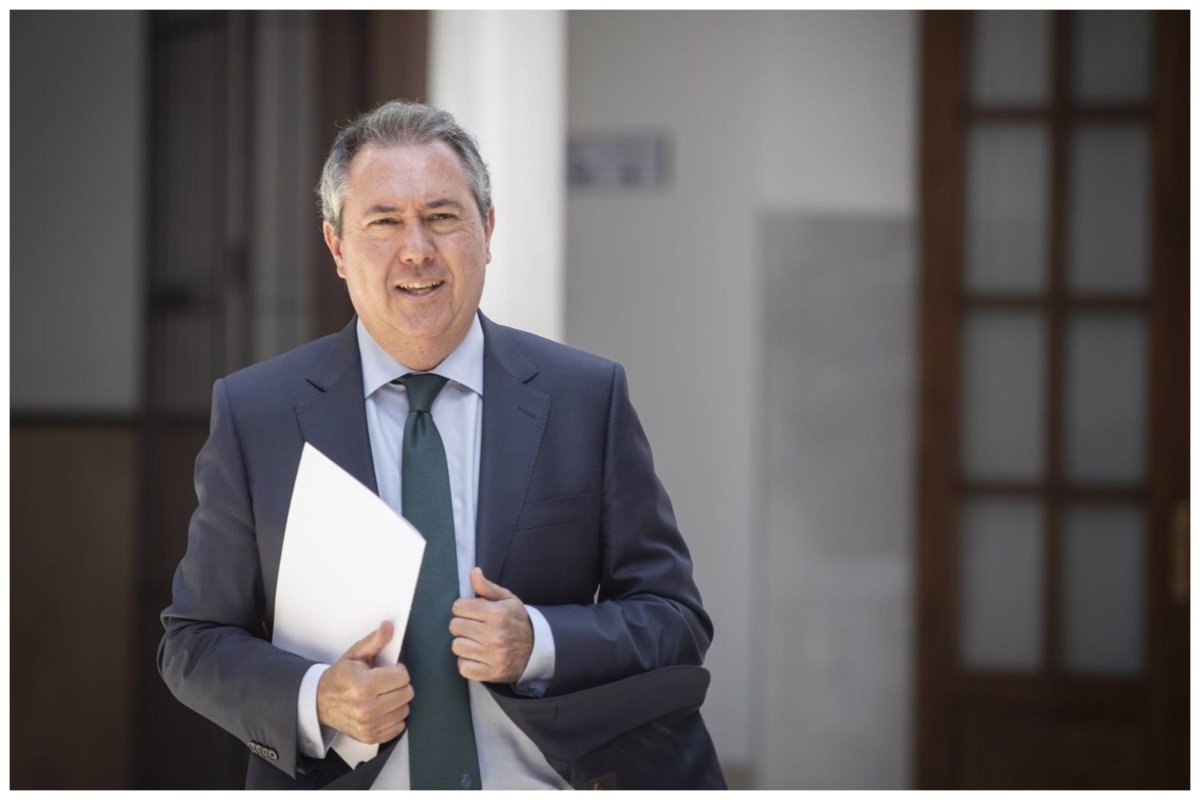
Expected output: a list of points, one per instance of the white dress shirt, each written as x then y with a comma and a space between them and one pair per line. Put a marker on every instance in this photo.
508, 759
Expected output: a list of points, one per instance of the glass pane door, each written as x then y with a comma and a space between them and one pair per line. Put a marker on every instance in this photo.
1054, 373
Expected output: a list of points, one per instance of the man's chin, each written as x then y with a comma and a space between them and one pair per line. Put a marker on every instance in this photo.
421, 343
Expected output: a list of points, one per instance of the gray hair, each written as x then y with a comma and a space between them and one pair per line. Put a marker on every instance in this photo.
399, 122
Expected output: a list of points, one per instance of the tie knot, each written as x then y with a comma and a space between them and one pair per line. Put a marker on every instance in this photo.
422, 389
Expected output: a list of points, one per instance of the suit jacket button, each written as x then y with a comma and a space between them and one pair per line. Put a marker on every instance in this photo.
271, 754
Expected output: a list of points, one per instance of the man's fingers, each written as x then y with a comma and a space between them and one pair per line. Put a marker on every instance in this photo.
466, 648
473, 629
382, 680
492, 612
370, 718
392, 731
366, 648
360, 699
475, 670
477, 609
486, 589
383, 727
396, 700
405, 690
492, 632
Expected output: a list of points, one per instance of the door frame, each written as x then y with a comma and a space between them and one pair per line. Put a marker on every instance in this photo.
1159, 701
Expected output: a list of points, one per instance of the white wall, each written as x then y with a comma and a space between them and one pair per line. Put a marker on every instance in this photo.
663, 281
838, 129
77, 215
501, 74
779, 114
840, 164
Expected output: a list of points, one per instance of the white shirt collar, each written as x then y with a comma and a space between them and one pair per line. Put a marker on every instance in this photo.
463, 366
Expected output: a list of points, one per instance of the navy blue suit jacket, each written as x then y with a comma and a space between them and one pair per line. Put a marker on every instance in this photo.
571, 518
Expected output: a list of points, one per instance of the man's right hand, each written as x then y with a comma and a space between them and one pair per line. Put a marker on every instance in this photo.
365, 702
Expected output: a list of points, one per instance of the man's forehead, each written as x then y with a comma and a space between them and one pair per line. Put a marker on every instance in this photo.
422, 173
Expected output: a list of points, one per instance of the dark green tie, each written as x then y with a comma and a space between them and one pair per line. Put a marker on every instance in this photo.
441, 739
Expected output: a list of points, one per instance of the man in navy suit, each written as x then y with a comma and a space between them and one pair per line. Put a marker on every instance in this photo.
574, 632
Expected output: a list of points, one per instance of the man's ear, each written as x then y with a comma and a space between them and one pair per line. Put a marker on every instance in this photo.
487, 236
335, 248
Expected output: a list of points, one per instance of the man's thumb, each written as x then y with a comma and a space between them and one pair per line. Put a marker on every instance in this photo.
486, 589
368, 647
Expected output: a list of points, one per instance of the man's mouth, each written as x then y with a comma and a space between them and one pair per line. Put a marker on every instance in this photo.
419, 288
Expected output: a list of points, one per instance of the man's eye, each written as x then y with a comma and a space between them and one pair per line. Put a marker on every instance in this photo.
384, 221
441, 217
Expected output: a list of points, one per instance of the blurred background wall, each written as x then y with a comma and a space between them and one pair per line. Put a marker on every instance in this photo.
776, 221
776, 121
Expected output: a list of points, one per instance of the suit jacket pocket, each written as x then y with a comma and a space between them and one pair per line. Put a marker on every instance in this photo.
556, 511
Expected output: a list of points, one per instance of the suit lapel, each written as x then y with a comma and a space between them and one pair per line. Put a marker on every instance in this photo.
335, 420
514, 418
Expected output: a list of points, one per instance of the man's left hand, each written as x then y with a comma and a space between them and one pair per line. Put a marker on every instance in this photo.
493, 636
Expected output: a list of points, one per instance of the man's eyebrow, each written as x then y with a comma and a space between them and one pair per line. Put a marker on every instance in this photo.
381, 208
444, 202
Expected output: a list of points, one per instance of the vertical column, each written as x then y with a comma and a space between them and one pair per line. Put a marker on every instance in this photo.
503, 76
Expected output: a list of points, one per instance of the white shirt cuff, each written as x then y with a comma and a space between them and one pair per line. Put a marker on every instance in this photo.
315, 738
540, 670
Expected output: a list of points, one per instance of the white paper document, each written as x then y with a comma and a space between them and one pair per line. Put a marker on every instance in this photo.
348, 563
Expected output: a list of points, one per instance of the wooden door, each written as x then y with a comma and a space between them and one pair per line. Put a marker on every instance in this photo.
1052, 531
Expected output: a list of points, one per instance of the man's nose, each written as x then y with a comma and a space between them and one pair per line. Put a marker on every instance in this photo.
415, 244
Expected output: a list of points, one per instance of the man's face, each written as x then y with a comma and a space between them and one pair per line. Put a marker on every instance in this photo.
413, 249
